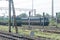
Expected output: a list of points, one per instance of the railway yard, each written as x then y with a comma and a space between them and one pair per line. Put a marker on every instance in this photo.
51, 33
21, 20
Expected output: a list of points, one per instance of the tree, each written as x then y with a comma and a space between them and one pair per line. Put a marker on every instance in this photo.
23, 15
47, 15
38, 15
58, 15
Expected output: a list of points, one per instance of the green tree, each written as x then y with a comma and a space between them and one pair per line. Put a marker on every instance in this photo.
38, 15
47, 15
58, 15
23, 15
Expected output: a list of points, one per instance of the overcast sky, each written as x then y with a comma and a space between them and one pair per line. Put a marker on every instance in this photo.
40, 5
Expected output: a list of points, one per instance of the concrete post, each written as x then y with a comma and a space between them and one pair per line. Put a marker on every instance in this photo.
14, 17
29, 20
9, 15
43, 19
56, 20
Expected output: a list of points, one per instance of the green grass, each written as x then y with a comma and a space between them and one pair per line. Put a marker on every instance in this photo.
36, 33
53, 23
48, 35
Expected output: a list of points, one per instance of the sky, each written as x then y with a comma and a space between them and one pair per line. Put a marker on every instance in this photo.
40, 6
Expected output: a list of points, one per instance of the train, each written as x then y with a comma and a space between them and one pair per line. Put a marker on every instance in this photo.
25, 21
35, 21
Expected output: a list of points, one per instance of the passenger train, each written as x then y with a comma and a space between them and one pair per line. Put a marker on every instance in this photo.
25, 21
36, 21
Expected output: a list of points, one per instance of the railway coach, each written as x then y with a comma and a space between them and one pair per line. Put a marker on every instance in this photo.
35, 21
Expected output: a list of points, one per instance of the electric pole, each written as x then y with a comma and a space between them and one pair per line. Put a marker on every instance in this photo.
52, 8
9, 15
14, 18
11, 4
32, 8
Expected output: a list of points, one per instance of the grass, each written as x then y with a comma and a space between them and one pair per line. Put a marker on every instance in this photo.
36, 33
53, 23
48, 35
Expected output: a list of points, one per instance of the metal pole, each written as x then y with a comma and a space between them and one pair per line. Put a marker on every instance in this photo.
34, 12
40, 21
9, 15
52, 8
56, 20
32, 7
14, 16
43, 19
29, 19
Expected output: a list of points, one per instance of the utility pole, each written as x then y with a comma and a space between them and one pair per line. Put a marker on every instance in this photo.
43, 19
34, 12
52, 8
14, 17
52, 12
32, 7
56, 20
29, 19
9, 15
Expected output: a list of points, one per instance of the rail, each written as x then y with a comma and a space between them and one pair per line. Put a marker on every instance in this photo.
13, 36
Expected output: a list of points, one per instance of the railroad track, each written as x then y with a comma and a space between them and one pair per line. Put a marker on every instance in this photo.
52, 31
10, 36
14, 36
